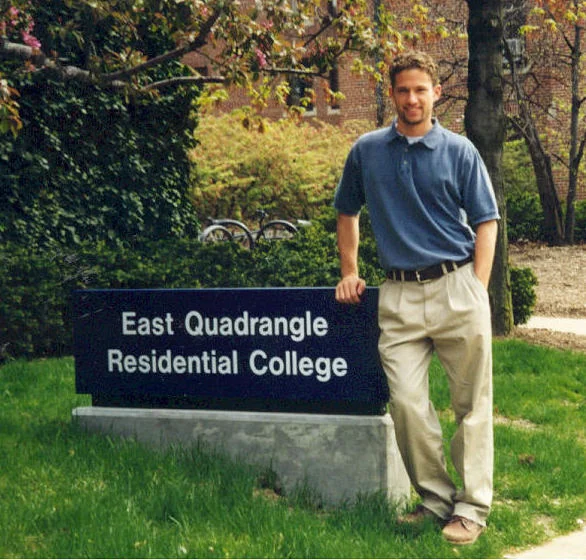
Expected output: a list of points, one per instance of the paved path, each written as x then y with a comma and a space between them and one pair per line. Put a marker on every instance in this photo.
574, 544
576, 326
568, 546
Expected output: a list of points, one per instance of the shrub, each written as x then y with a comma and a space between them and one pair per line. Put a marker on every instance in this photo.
35, 309
524, 213
524, 216
518, 175
523, 282
580, 229
90, 163
290, 169
32, 303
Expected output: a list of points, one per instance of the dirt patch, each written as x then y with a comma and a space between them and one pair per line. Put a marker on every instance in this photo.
562, 341
561, 291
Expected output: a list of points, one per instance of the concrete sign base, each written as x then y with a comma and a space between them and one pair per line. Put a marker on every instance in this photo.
337, 456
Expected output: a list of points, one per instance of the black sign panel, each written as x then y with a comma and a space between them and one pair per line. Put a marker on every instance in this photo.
288, 349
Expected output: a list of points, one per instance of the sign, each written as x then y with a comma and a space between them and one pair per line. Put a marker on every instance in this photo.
276, 349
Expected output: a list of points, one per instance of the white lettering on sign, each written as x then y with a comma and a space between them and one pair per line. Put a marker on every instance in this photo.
215, 362
291, 364
211, 362
146, 326
168, 363
296, 328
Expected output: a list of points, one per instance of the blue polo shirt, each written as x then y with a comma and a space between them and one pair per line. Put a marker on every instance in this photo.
422, 198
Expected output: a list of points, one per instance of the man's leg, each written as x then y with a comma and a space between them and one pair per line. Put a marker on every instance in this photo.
406, 351
463, 342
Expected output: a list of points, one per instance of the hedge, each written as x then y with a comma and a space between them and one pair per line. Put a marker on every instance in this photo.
35, 310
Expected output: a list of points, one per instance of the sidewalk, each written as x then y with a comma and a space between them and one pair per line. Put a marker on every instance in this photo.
576, 326
568, 546
574, 544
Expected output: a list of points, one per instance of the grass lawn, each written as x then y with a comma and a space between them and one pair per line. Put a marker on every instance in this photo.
68, 494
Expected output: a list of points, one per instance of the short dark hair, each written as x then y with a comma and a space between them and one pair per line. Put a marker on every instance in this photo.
410, 60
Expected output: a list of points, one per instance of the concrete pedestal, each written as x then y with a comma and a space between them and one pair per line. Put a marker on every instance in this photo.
337, 456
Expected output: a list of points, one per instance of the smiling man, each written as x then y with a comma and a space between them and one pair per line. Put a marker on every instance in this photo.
434, 217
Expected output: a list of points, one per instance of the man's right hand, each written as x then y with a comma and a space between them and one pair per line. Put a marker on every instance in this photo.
350, 289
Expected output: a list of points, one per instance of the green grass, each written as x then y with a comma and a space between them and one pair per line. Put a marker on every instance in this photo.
68, 494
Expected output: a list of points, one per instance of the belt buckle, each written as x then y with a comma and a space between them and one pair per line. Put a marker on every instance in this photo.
421, 280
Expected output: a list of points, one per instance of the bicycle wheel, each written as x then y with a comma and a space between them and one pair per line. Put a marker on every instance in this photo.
215, 234
277, 230
240, 233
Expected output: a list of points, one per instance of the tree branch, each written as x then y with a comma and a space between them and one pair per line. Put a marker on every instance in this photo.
16, 51
118, 79
182, 80
197, 43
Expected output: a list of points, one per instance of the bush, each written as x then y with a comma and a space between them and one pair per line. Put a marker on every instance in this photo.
580, 231
290, 169
524, 217
32, 303
518, 175
524, 213
90, 163
523, 282
35, 308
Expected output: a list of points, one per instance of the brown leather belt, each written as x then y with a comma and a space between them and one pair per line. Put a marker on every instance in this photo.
427, 274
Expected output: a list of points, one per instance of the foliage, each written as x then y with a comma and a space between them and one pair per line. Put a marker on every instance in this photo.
524, 212
89, 163
288, 168
518, 175
523, 282
552, 32
580, 233
32, 304
254, 45
35, 312
524, 216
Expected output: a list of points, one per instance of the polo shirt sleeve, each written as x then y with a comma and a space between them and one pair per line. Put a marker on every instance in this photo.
478, 197
349, 197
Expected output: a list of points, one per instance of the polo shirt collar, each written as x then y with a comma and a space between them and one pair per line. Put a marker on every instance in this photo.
430, 140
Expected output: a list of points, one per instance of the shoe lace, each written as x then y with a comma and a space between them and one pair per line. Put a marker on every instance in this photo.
466, 523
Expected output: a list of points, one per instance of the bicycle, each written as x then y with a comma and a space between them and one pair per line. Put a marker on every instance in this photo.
226, 229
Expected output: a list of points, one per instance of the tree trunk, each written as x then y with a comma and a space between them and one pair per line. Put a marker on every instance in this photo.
553, 219
575, 151
379, 88
485, 126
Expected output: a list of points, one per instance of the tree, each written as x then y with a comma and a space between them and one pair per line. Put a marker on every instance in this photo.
551, 123
87, 162
245, 43
70, 66
485, 126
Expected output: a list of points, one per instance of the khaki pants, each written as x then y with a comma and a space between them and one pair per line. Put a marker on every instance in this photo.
451, 316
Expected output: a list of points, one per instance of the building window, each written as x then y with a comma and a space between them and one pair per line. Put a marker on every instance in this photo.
334, 79
301, 93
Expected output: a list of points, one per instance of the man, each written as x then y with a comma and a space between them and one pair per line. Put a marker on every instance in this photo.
434, 217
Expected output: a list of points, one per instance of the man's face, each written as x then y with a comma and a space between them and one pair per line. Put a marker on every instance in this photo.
414, 95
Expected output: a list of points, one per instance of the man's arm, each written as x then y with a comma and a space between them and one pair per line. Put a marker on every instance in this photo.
351, 286
486, 234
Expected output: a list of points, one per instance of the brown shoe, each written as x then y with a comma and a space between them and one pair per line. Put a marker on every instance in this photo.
460, 530
418, 515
